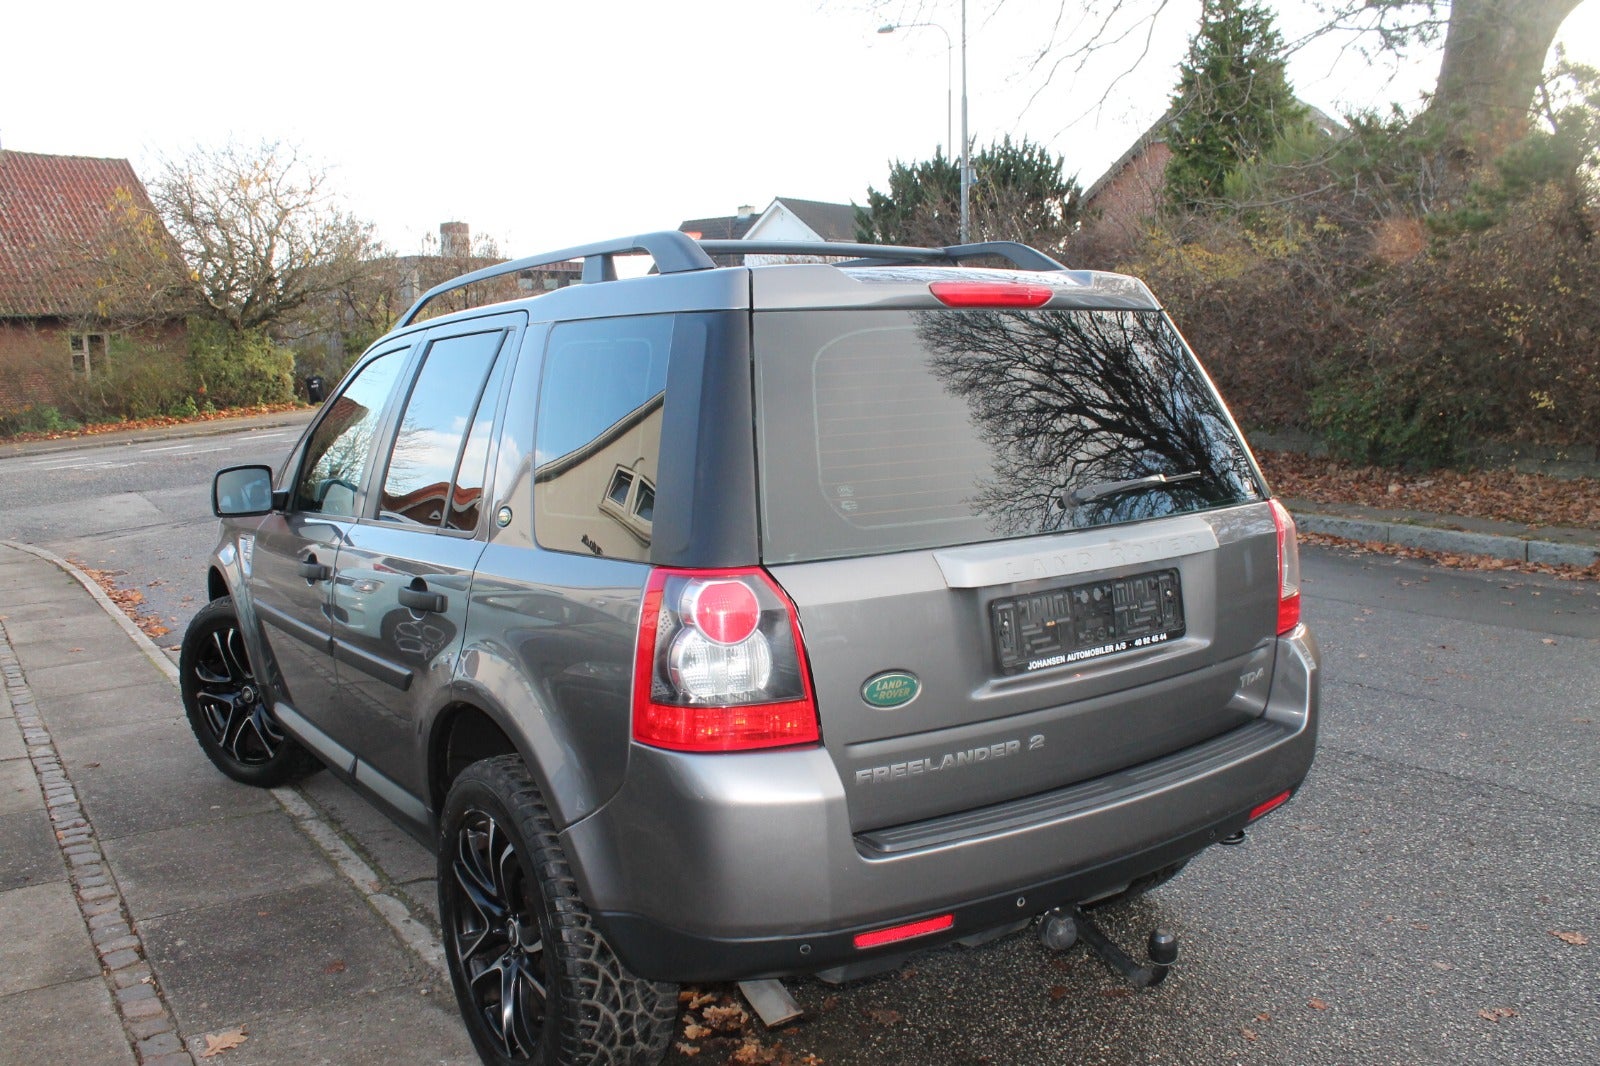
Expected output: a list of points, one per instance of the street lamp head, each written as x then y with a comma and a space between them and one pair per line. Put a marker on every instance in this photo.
888, 27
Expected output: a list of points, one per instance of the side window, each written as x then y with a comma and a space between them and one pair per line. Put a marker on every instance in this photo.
598, 436
419, 486
337, 454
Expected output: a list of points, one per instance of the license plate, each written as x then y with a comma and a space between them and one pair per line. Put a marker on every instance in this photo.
1078, 622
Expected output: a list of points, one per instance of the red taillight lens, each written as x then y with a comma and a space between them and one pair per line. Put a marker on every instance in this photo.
990, 294
720, 665
894, 934
1271, 805
1288, 569
725, 611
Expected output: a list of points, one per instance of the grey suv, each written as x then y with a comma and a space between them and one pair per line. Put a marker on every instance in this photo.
738, 622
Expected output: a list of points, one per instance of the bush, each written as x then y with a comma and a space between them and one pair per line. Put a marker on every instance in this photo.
233, 369
43, 418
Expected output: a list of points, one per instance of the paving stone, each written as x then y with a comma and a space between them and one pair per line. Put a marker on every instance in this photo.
64, 1023
135, 993
310, 947
28, 854
144, 1008
45, 941
145, 1028
116, 960
19, 789
180, 869
161, 1044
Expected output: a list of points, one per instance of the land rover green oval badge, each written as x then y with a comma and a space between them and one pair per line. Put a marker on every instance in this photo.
893, 688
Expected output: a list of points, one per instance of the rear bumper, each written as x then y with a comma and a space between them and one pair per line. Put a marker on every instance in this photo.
718, 868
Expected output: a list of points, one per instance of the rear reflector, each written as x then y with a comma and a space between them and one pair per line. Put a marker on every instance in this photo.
1271, 805
989, 294
911, 930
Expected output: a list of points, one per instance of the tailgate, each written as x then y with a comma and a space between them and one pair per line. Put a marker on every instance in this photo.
950, 679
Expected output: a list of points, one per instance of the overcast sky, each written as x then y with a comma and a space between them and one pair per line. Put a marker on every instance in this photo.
546, 124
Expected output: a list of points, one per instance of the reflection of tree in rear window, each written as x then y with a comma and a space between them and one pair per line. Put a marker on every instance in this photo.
892, 430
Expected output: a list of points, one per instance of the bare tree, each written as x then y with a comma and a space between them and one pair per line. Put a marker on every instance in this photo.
259, 236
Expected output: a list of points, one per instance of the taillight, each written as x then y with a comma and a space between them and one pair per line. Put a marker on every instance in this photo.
720, 665
1288, 569
990, 294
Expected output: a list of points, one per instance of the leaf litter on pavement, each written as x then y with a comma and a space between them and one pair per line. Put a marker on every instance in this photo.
129, 600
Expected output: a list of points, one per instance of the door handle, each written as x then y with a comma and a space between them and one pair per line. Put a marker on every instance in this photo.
418, 598
314, 571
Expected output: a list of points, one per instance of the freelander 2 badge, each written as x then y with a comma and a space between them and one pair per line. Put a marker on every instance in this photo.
890, 689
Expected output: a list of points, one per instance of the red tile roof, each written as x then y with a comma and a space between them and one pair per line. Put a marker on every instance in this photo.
51, 205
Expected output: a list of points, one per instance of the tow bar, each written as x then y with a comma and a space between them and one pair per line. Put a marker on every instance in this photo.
1064, 927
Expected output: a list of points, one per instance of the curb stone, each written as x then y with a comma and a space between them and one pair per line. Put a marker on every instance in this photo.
1433, 538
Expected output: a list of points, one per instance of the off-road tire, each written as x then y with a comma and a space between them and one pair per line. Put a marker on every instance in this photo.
595, 1011
225, 704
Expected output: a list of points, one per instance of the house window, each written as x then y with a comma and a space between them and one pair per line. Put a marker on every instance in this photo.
89, 352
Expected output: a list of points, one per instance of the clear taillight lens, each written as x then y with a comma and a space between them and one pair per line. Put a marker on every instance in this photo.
720, 664
1288, 569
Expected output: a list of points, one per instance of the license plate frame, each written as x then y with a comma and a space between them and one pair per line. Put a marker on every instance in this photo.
1071, 624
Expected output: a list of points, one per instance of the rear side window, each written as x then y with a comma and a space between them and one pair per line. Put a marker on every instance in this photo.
897, 430
598, 439
420, 486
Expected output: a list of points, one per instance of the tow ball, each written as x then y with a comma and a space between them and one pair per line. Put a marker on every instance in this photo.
1064, 927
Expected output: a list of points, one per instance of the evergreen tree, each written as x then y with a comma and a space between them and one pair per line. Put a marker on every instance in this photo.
1019, 193
1232, 103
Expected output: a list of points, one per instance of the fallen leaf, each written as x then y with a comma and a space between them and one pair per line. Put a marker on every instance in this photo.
726, 1018
336, 966
688, 1049
1497, 1014
883, 1015
1058, 993
700, 1000
691, 1031
1249, 1034
71, 650
1575, 939
1547, 640
217, 1043
1317, 1004
1263, 1017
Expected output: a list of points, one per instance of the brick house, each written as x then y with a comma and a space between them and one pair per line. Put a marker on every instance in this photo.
1116, 206
54, 334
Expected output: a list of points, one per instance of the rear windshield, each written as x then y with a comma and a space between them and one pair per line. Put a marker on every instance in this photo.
896, 430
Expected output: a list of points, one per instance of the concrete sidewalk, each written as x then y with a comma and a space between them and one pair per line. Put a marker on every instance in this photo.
148, 901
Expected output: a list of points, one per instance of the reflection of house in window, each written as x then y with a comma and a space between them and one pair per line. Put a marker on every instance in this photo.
425, 506
631, 500
585, 499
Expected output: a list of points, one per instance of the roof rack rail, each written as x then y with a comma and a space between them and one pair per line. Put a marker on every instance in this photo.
1019, 255
674, 252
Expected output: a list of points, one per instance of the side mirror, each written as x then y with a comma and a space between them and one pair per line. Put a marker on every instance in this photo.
242, 492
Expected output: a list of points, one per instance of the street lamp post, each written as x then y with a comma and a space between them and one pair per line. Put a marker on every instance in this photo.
966, 173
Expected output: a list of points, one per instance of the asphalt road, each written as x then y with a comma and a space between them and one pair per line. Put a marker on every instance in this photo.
1401, 910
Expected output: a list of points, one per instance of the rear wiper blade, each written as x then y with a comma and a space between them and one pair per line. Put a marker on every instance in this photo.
1081, 496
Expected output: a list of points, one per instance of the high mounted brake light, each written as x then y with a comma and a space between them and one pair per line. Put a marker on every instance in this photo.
1288, 569
720, 665
990, 294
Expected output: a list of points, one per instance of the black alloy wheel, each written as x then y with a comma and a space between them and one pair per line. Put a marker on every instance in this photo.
535, 980
496, 936
226, 706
